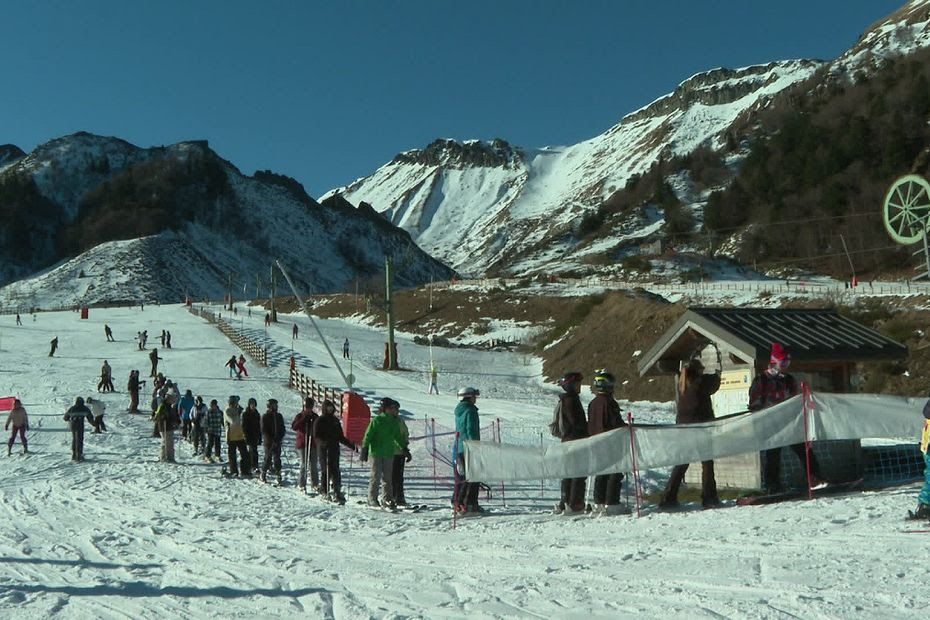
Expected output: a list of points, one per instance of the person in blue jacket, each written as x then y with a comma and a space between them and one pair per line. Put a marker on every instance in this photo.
465, 496
923, 500
185, 405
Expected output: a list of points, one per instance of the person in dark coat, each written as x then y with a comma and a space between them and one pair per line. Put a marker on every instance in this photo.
153, 357
167, 339
54, 345
306, 447
273, 431
75, 417
252, 427
569, 423
603, 416
108, 333
233, 368
327, 434
770, 387
162, 338
694, 405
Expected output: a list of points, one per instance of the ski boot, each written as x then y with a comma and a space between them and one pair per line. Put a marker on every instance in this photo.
922, 512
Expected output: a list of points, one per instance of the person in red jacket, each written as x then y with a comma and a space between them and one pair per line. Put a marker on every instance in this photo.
306, 447
569, 423
241, 365
695, 388
603, 416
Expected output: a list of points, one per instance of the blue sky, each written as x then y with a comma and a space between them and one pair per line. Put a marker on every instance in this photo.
328, 90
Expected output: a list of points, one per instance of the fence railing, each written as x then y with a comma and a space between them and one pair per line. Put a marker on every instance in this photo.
306, 386
256, 351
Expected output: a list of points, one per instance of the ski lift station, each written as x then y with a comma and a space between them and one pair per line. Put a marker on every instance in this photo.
825, 350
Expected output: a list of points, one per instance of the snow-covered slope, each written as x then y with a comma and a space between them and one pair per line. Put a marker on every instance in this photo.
483, 211
250, 223
123, 536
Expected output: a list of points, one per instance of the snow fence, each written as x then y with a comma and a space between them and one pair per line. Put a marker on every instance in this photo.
806, 417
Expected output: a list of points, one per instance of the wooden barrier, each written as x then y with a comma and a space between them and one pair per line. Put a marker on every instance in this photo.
254, 350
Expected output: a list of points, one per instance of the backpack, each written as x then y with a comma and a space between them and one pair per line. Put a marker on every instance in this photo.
555, 427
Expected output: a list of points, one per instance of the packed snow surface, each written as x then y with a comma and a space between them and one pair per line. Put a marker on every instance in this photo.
123, 536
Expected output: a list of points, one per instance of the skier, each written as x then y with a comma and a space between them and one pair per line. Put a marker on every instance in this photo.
98, 408
467, 425
167, 420
252, 428
235, 439
345, 349
106, 382
306, 447
19, 321
233, 368
198, 422
153, 357
168, 339
241, 365
568, 424
433, 378
770, 387
133, 386
273, 431
54, 345
163, 339
108, 333
327, 434
695, 388
139, 339
20, 422
185, 404
214, 428
923, 500
401, 457
75, 417
145, 338
294, 332
267, 319
603, 416
382, 437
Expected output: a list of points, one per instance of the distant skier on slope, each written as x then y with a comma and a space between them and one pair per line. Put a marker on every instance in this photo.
98, 408
75, 417
153, 357
233, 368
241, 365
20, 421
54, 346
108, 333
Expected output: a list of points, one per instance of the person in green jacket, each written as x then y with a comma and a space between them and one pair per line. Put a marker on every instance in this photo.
467, 427
382, 439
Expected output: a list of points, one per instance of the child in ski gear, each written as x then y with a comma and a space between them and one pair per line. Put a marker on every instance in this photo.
770, 387
467, 426
241, 365
306, 447
235, 439
185, 405
98, 408
273, 431
167, 419
923, 500
214, 428
153, 357
695, 387
54, 345
233, 368
252, 428
20, 421
603, 416
75, 417
382, 437
569, 423
401, 457
327, 434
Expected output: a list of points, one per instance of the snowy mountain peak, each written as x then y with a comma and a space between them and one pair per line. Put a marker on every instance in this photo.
453, 154
903, 32
10, 153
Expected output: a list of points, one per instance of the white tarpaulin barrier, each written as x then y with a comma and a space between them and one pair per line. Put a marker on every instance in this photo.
830, 416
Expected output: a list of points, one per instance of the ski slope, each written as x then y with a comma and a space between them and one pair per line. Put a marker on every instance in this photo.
123, 536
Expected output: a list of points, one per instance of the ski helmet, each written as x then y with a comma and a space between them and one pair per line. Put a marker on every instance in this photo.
466, 392
604, 382
570, 379
388, 402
